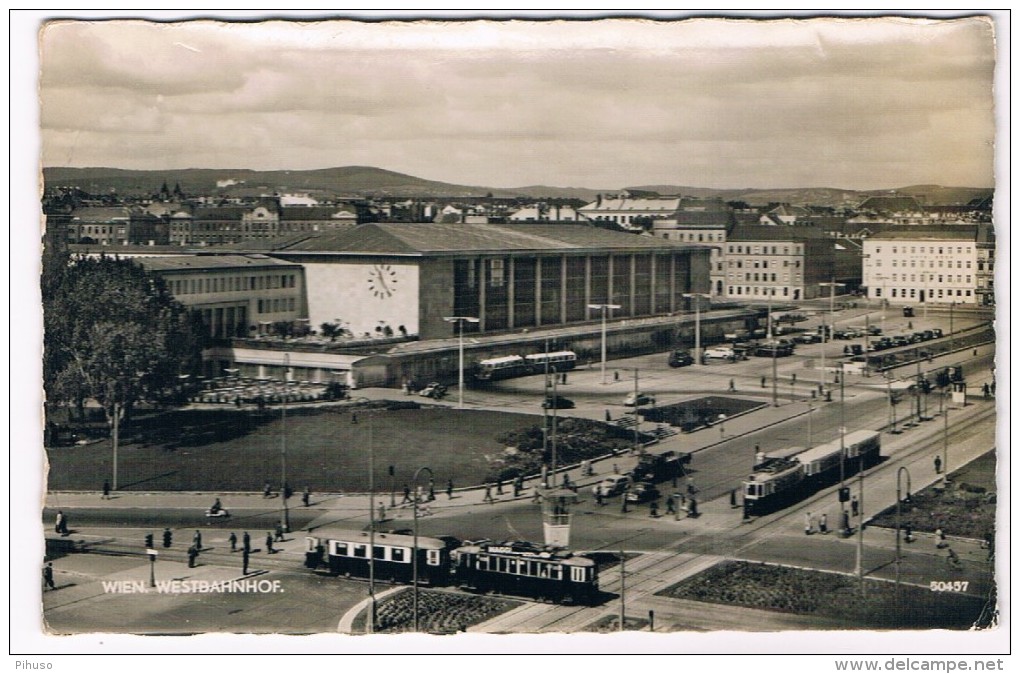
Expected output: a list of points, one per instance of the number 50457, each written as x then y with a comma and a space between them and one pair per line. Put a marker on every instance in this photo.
948, 586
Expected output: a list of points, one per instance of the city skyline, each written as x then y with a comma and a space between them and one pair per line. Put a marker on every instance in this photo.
868, 103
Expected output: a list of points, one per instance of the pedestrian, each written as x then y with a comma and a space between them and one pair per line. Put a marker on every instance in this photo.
488, 494
616, 375
908, 533
564, 379
566, 480
244, 566
985, 390
809, 527
59, 525
47, 575
938, 464
267, 490
279, 532
306, 497
432, 489
823, 524
616, 469
763, 382
692, 508
598, 495
793, 378
269, 542
449, 489
197, 539
670, 506
499, 486
407, 494
940, 538
691, 489
354, 417
855, 506
609, 417
846, 523
246, 542
106, 489
382, 512
233, 541
517, 486
732, 386
192, 556
653, 509
623, 501
733, 498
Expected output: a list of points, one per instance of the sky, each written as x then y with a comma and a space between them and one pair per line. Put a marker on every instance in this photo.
855, 103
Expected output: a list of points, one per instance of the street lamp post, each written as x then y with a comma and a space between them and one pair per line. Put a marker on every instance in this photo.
285, 515
604, 308
775, 349
899, 500
697, 324
414, 557
460, 320
832, 315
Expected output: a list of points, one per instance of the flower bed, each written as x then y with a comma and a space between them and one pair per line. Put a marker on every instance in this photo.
830, 595
438, 612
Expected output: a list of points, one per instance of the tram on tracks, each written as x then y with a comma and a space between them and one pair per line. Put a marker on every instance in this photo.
788, 476
506, 367
512, 568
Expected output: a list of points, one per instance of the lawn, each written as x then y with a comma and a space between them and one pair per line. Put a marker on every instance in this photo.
966, 509
326, 449
830, 595
692, 415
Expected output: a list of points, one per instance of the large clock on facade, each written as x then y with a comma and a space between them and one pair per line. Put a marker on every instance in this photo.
382, 281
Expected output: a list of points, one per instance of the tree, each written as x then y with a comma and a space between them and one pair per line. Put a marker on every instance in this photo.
331, 330
114, 334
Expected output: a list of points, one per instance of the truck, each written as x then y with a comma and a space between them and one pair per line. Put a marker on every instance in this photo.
661, 467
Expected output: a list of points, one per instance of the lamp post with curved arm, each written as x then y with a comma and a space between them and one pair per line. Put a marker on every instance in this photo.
899, 501
414, 555
460, 320
697, 324
285, 515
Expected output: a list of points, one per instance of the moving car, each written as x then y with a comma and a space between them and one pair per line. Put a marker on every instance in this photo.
433, 390
612, 485
642, 492
638, 398
558, 403
680, 358
808, 338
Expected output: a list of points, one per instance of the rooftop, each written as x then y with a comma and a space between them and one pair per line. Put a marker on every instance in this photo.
774, 233
209, 262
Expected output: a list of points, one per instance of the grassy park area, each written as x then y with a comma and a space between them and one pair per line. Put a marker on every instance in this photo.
327, 449
829, 595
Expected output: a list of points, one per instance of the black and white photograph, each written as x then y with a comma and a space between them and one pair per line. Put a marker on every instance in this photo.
652, 333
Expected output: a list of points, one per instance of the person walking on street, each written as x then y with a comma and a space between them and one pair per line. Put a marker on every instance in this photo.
267, 490
246, 542
488, 494
196, 540
382, 512
609, 417
432, 489
449, 490
653, 509
244, 563
616, 469
407, 494
59, 523
809, 527
670, 506
938, 464
47, 575
499, 486
823, 524
763, 382
106, 489
733, 387
623, 501
233, 541
598, 494
855, 506
279, 532
846, 523
517, 486
306, 497
269, 542
192, 555
733, 498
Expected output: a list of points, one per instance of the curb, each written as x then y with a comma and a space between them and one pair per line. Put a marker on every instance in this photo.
347, 621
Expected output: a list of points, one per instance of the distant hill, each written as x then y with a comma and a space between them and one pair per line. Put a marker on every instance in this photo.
365, 181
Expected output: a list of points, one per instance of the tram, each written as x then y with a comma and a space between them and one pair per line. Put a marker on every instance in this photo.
347, 553
524, 569
788, 476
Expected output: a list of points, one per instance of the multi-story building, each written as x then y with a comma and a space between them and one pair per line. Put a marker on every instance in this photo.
264, 220
782, 262
634, 214
920, 264
704, 222
235, 295
986, 265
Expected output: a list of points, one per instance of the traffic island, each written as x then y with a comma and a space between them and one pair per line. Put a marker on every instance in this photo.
439, 612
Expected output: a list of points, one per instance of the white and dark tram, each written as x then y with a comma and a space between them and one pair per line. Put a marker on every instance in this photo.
506, 367
347, 553
787, 476
524, 569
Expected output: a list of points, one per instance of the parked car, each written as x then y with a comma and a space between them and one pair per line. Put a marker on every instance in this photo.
901, 340
642, 492
792, 318
874, 330
908, 312
557, 403
808, 338
857, 349
938, 332
723, 352
434, 390
636, 399
612, 485
775, 349
680, 358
